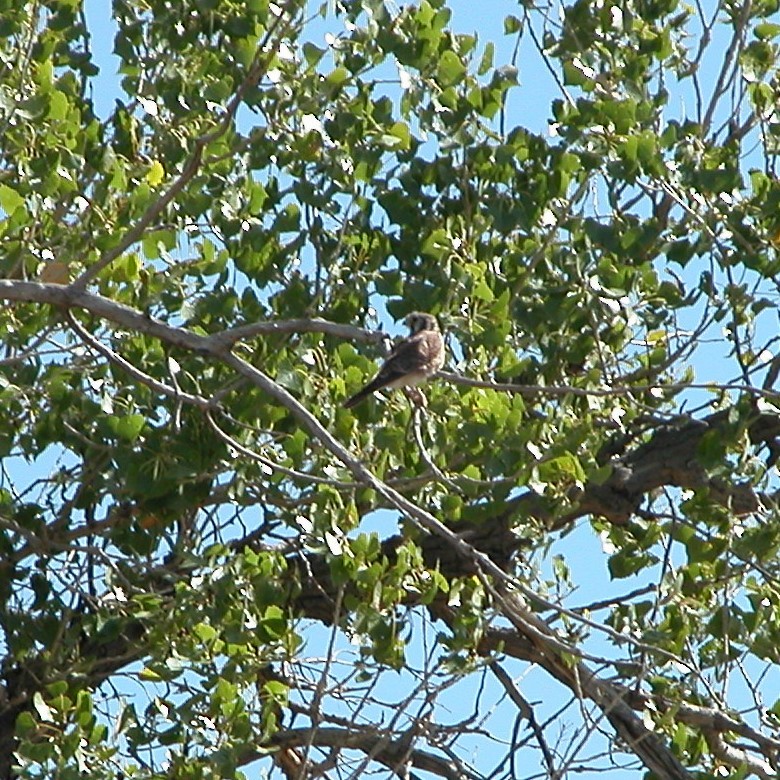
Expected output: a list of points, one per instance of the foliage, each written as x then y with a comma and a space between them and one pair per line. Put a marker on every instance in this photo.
211, 569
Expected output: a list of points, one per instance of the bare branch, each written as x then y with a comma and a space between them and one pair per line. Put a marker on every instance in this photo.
391, 753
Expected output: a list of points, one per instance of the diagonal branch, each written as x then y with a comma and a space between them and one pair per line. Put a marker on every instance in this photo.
525, 709
546, 650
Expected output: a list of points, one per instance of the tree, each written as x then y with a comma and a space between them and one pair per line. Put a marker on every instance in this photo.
194, 284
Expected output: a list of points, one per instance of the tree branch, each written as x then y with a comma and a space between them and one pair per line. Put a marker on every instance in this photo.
393, 753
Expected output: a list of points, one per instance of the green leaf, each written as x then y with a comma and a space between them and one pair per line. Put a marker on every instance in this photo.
312, 54
400, 131
277, 690
128, 427
574, 75
10, 199
766, 30
273, 623
561, 468
58, 105
482, 292
450, 70
25, 724
337, 77
486, 63
437, 244
512, 25
155, 174
628, 562
205, 632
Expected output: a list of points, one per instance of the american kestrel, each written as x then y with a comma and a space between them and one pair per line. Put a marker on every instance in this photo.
412, 360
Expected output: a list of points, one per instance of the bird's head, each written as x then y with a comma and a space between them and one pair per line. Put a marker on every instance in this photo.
417, 321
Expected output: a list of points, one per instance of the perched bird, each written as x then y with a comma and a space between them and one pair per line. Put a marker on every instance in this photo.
412, 360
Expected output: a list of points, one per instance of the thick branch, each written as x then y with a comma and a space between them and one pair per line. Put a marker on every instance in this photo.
671, 457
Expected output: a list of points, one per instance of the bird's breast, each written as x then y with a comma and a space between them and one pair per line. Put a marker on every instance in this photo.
409, 380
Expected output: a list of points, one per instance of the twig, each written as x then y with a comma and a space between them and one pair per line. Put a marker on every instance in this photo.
527, 712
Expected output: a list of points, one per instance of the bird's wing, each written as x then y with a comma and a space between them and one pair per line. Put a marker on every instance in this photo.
410, 356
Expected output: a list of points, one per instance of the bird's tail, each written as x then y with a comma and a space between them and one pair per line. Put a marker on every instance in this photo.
354, 400
364, 392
